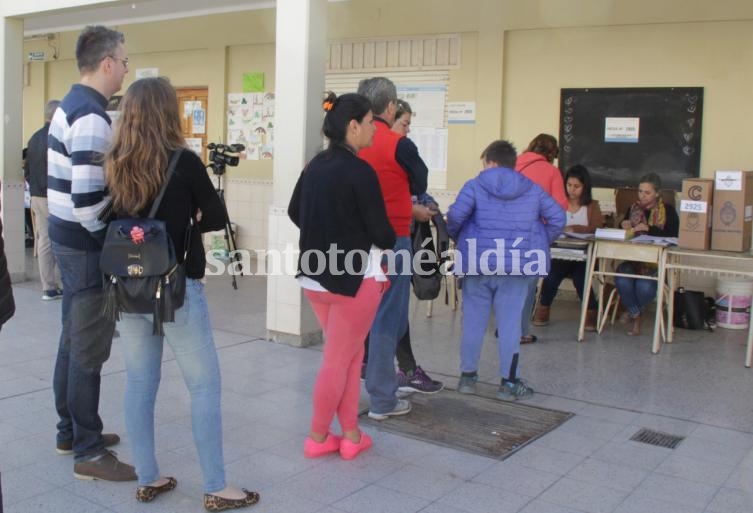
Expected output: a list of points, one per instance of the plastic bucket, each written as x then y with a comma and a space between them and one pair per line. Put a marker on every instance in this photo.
733, 300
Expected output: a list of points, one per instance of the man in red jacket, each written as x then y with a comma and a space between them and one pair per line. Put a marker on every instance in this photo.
400, 171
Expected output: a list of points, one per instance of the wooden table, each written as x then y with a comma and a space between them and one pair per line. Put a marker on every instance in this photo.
605, 251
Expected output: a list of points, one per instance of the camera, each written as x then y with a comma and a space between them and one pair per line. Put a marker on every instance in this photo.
222, 155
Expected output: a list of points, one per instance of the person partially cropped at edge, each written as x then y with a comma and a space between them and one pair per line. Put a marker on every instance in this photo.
509, 221
148, 135
78, 136
536, 163
337, 201
583, 216
411, 377
401, 172
649, 215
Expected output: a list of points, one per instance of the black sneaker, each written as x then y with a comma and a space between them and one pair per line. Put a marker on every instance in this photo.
66, 447
418, 381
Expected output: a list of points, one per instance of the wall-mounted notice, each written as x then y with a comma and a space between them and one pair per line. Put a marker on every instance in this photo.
194, 144
427, 103
461, 113
624, 130
199, 121
432, 146
146, 73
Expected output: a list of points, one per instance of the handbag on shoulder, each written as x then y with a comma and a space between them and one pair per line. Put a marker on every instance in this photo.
142, 274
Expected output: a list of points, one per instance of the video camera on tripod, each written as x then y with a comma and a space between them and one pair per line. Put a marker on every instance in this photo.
222, 155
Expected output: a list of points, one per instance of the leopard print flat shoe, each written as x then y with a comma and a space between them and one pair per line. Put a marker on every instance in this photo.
216, 503
149, 493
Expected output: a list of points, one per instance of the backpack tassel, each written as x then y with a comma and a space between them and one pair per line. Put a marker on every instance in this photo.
110, 302
168, 307
157, 318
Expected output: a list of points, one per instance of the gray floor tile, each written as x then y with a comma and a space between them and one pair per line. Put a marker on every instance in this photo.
608, 474
734, 438
591, 427
632, 454
639, 504
422, 481
377, 499
695, 470
540, 506
680, 491
19, 485
55, 501
581, 445
584, 496
481, 498
546, 459
326, 485
438, 507
727, 500
517, 478
712, 452
616, 415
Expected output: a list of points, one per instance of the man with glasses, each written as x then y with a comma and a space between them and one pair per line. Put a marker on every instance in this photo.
79, 133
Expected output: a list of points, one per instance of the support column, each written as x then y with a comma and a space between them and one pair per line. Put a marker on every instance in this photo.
301, 51
11, 133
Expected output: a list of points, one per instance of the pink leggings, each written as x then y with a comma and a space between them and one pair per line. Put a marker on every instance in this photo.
345, 321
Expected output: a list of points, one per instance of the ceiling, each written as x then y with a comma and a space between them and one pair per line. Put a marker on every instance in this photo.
138, 11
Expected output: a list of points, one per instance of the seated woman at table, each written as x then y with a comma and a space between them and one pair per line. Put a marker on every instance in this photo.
583, 216
647, 216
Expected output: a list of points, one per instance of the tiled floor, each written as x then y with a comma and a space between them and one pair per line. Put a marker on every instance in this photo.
697, 388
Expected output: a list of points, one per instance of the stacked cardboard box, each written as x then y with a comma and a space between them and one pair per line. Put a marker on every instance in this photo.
733, 211
695, 213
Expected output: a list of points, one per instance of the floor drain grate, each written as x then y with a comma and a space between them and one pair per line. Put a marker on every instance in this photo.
651, 437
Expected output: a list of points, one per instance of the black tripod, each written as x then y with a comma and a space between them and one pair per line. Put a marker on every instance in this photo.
230, 247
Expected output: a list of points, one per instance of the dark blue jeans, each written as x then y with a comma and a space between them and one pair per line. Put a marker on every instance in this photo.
85, 342
561, 269
389, 326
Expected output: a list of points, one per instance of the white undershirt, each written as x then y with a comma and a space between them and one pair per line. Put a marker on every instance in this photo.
579, 217
373, 271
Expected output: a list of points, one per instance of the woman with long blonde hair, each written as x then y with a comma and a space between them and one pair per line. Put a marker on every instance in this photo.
148, 134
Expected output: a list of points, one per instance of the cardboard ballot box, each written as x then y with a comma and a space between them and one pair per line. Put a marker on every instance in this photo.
696, 213
733, 211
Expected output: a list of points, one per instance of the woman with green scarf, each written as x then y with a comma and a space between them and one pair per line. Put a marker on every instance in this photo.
647, 216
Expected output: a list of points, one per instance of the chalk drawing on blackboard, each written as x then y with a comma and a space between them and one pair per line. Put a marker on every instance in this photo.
670, 133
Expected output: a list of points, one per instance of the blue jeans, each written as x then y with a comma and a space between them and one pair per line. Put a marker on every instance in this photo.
507, 295
635, 293
190, 338
390, 324
85, 342
525, 314
559, 270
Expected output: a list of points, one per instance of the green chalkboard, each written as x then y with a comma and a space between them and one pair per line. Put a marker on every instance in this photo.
620, 134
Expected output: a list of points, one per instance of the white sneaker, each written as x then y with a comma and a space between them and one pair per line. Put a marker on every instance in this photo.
401, 408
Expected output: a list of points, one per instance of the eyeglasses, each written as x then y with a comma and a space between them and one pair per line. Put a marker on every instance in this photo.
124, 61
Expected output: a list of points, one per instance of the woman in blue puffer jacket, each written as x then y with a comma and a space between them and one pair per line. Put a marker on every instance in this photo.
503, 225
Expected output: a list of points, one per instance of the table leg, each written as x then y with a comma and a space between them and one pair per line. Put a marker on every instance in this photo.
587, 295
656, 346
